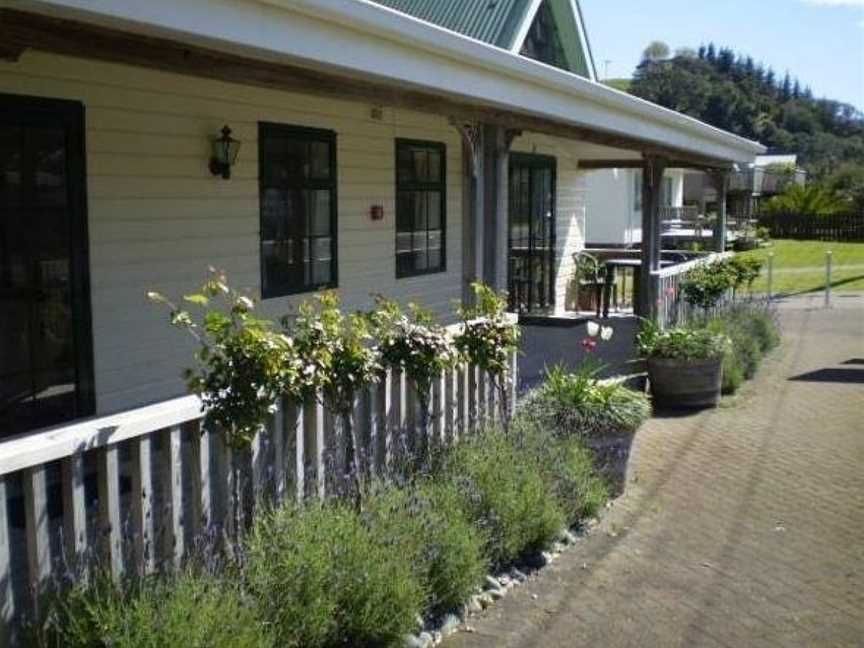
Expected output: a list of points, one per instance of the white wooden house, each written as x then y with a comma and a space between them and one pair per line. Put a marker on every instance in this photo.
379, 152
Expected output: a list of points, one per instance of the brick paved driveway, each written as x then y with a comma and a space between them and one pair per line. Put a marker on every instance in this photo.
740, 527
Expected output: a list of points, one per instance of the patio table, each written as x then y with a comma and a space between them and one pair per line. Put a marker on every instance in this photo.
611, 266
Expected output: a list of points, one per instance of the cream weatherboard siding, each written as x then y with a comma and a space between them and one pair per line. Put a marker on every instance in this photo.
569, 206
157, 217
612, 216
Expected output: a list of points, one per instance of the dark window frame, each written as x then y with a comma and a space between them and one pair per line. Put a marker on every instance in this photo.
266, 129
550, 163
36, 111
440, 186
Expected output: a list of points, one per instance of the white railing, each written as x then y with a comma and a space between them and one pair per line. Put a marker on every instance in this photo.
133, 492
671, 308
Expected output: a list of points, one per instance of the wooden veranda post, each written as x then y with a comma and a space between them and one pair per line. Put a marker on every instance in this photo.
496, 168
652, 183
721, 182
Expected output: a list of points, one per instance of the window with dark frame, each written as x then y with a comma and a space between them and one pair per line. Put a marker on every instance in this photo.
297, 171
420, 207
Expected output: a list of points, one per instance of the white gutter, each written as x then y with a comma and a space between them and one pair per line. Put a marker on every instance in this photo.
374, 18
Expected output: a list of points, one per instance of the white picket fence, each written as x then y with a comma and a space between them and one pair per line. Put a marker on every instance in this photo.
135, 491
672, 308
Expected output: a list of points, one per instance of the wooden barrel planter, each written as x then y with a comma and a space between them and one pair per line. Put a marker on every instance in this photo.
685, 384
611, 455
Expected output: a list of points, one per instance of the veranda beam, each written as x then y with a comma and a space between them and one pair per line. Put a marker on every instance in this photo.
628, 163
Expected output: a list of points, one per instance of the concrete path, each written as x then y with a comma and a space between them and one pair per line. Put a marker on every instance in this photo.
740, 527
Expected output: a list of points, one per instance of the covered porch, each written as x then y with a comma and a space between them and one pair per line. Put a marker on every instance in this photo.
133, 95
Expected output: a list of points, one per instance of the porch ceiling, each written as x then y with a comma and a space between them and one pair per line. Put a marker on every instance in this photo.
382, 57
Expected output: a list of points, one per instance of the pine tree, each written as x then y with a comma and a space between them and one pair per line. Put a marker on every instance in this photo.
786, 88
725, 59
796, 90
701, 52
711, 53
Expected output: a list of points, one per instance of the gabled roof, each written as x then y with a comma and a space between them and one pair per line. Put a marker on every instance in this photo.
495, 22
509, 24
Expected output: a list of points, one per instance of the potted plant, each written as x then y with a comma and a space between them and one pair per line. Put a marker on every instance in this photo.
588, 279
684, 365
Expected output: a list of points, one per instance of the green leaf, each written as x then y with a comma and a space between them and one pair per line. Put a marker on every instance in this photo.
198, 299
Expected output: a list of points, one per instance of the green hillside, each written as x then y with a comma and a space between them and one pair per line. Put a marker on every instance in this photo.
735, 93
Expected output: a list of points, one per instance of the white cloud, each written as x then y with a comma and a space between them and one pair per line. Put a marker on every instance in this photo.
836, 3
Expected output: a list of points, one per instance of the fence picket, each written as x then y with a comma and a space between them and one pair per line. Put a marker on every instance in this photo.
277, 454
142, 504
513, 378
449, 406
74, 508
313, 445
463, 384
199, 467
437, 401
398, 416
294, 449
7, 595
109, 508
37, 529
172, 488
225, 482
382, 407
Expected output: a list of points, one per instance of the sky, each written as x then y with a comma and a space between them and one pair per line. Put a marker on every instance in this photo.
819, 41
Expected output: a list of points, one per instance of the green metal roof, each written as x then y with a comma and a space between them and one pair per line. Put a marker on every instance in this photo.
491, 21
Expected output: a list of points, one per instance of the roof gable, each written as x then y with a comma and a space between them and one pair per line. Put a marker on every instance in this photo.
495, 22
549, 31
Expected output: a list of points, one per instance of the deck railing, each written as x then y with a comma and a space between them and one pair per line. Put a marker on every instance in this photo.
672, 309
135, 491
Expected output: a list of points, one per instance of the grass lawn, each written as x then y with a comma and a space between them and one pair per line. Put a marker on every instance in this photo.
799, 266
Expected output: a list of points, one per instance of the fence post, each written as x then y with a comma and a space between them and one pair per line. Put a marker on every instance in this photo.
828, 279
770, 275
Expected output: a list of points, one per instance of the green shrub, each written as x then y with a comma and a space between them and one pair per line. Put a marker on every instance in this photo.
321, 578
425, 525
566, 466
681, 343
753, 331
705, 285
580, 403
733, 372
188, 610
744, 270
504, 496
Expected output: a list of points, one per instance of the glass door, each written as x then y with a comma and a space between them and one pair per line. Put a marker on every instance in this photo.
46, 374
531, 232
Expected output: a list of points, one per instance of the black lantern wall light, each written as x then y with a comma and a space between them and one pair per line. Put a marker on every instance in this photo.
225, 150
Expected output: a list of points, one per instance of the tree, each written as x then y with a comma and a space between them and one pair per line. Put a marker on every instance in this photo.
847, 181
812, 199
711, 53
824, 133
686, 52
656, 51
725, 59
786, 88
